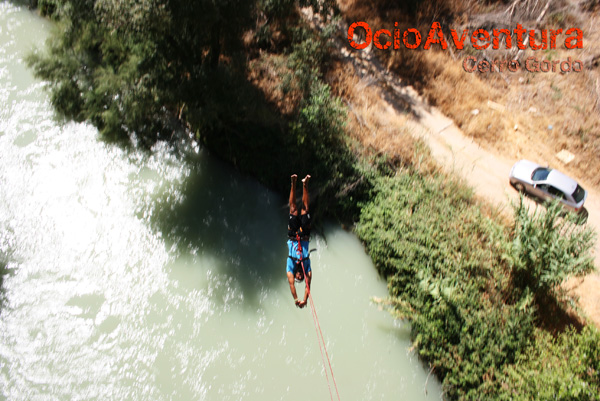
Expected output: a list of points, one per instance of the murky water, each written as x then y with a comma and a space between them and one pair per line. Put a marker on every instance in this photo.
129, 276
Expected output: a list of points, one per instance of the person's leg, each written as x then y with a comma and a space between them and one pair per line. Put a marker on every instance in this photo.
305, 197
292, 200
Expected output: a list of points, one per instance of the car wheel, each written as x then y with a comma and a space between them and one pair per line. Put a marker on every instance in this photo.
519, 187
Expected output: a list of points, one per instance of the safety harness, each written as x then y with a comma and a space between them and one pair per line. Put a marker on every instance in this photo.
295, 232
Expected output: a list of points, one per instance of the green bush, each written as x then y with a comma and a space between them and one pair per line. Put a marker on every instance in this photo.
564, 368
129, 67
49, 8
449, 275
319, 128
438, 252
547, 247
320, 148
309, 56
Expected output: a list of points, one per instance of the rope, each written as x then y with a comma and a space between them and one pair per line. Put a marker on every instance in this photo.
321, 349
320, 337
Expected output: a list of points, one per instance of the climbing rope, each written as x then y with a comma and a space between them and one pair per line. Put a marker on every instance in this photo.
320, 337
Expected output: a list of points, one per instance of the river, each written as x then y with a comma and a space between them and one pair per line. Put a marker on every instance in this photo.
160, 276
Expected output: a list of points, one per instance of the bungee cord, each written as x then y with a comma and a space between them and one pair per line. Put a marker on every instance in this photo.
321, 339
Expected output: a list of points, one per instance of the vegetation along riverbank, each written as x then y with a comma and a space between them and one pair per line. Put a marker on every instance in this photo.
268, 92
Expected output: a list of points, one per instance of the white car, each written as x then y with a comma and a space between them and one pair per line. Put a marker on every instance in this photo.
547, 184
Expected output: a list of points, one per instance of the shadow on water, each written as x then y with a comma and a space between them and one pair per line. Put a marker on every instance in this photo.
3, 273
30, 4
229, 220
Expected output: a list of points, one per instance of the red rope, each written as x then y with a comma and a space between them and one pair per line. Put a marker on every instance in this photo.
320, 337
321, 349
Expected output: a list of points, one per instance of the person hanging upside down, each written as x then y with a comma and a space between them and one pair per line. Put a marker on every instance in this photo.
299, 229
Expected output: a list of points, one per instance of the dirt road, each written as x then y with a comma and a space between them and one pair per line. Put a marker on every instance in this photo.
488, 174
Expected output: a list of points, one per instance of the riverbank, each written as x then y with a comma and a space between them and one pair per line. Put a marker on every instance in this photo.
456, 271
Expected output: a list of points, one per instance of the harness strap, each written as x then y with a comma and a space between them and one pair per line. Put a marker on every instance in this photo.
295, 237
297, 259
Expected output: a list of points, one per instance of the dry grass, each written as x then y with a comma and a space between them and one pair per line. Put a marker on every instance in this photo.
543, 113
375, 124
530, 102
372, 124
566, 103
266, 72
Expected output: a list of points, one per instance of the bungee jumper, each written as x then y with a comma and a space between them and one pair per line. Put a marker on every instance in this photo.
298, 266
298, 261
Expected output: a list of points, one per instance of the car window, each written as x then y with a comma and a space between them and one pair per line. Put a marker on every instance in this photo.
578, 194
540, 173
556, 192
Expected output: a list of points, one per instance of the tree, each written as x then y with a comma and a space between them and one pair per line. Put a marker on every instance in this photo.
548, 247
129, 66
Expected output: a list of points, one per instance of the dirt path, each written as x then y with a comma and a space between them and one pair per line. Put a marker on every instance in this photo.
485, 171
488, 174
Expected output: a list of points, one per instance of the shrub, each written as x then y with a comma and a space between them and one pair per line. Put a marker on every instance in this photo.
440, 255
547, 247
318, 133
449, 271
566, 367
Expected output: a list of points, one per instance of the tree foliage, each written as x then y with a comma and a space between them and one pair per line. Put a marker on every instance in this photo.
547, 247
130, 66
448, 273
564, 368
139, 69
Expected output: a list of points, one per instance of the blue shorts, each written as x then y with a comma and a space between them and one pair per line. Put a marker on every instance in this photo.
293, 251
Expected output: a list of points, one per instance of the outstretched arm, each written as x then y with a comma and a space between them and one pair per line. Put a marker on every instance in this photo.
290, 277
307, 290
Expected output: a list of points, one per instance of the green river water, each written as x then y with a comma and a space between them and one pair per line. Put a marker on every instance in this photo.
161, 276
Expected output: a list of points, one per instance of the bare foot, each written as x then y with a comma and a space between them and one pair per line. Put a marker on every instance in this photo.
294, 176
306, 179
